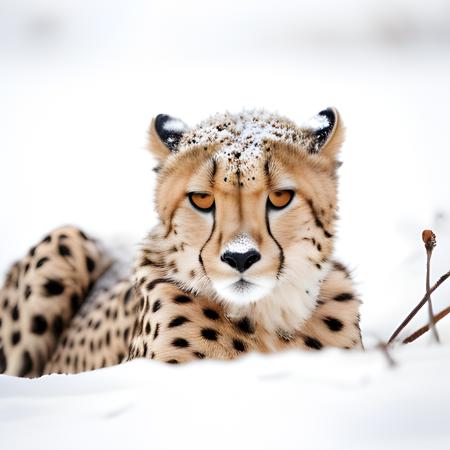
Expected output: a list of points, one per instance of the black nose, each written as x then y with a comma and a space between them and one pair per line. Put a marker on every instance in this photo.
241, 261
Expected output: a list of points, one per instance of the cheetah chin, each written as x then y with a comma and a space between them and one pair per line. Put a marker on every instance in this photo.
243, 291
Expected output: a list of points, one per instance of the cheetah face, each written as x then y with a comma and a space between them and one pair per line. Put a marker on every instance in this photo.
250, 198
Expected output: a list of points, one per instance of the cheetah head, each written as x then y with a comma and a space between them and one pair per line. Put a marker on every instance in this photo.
247, 202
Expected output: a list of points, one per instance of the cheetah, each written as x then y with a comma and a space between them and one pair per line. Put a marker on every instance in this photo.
241, 259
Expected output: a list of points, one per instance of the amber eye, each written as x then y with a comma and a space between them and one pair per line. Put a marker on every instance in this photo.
202, 201
280, 199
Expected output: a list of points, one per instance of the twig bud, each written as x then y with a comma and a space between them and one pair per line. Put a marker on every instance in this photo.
429, 239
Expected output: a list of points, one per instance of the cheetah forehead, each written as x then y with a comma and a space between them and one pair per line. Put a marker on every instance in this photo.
240, 141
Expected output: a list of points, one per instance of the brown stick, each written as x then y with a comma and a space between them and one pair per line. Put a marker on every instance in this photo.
385, 350
425, 328
429, 239
416, 309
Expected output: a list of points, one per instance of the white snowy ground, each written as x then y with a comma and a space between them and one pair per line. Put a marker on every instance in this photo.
78, 86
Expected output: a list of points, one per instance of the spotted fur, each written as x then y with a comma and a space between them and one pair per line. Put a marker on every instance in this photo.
219, 283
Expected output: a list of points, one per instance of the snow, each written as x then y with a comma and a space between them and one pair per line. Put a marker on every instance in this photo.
79, 86
242, 243
316, 123
176, 125
294, 400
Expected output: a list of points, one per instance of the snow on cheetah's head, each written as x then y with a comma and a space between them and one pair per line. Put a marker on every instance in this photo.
252, 197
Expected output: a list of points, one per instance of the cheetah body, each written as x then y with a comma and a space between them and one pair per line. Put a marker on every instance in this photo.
184, 300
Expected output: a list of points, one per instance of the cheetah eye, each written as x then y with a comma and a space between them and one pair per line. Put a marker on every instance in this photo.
202, 201
280, 199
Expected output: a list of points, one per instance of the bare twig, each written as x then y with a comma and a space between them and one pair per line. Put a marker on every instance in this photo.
385, 350
416, 309
429, 239
425, 328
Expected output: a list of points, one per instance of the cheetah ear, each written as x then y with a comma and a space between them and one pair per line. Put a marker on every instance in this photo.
165, 135
326, 133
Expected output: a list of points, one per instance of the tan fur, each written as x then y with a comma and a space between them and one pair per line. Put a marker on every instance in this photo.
181, 303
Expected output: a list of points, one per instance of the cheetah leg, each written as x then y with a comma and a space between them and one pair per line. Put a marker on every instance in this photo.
41, 294
99, 334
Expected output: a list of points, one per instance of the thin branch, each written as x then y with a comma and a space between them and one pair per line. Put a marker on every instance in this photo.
416, 309
425, 328
429, 240
385, 350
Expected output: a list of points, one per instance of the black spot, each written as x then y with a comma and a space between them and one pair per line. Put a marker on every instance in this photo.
90, 264
3, 361
148, 328
245, 325
53, 288
27, 364
155, 282
68, 360
172, 361
41, 262
15, 313
344, 297
27, 292
333, 324
74, 302
199, 355
211, 313
177, 321
182, 299
32, 251
319, 266
126, 333
319, 247
127, 296
83, 235
156, 305
64, 250
209, 334
62, 236
26, 268
47, 239
15, 337
238, 345
312, 342
5, 303
97, 325
57, 325
155, 335
180, 342
39, 324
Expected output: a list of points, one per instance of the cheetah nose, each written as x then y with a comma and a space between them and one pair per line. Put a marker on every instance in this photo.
241, 261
